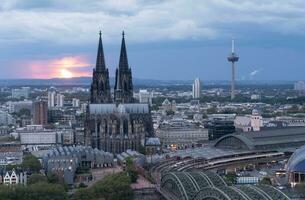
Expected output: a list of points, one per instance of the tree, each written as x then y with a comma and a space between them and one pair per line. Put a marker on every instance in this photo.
24, 111
113, 187
83, 194
266, 181
52, 177
231, 177
37, 178
45, 190
36, 191
31, 163
131, 170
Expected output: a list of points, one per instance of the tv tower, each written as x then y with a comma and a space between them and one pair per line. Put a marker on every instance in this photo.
233, 58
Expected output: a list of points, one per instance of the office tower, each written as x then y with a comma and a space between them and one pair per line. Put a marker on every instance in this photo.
60, 100
51, 99
197, 88
233, 58
75, 102
40, 109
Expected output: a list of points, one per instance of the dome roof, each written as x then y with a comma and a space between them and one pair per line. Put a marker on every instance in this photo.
297, 161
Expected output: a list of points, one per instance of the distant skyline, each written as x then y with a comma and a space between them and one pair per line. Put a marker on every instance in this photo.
174, 40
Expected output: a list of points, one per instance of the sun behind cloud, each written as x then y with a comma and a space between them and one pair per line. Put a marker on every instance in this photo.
58, 67
65, 73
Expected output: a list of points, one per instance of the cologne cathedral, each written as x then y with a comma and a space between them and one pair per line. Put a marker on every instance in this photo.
114, 121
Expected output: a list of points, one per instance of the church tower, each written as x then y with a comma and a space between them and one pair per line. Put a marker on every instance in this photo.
123, 89
100, 87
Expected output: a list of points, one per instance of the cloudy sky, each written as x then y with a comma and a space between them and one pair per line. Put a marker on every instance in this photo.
166, 39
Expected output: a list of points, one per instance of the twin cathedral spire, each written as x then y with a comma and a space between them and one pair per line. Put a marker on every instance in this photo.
100, 86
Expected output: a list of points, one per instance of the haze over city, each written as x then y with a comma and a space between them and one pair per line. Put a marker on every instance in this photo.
181, 39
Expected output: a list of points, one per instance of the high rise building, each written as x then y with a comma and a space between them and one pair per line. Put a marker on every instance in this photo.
40, 109
118, 124
75, 102
197, 88
233, 58
51, 99
60, 100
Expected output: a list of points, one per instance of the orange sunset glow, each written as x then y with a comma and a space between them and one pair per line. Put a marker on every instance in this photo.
63, 67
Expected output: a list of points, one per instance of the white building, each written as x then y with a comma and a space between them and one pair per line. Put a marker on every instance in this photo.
197, 88
145, 97
84, 107
60, 100
37, 135
13, 178
248, 123
75, 102
51, 99
256, 121
255, 97
6, 118
19, 93
299, 86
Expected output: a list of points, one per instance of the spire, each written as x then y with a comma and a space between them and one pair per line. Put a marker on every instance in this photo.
123, 64
233, 45
100, 60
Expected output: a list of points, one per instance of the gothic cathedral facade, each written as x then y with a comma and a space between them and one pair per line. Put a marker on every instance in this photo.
114, 121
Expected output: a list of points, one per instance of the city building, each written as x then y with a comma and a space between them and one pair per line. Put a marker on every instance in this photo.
36, 135
6, 118
24, 92
153, 146
40, 110
64, 161
75, 102
14, 177
10, 153
220, 127
180, 134
79, 135
299, 86
296, 167
115, 125
196, 89
248, 123
145, 97
272, 139
16, 106
51, 99
168, 106
60, 100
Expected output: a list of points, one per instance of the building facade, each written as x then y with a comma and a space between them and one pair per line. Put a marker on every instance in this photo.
180, 134
197, 88
115, 124
40, 109
19, 93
